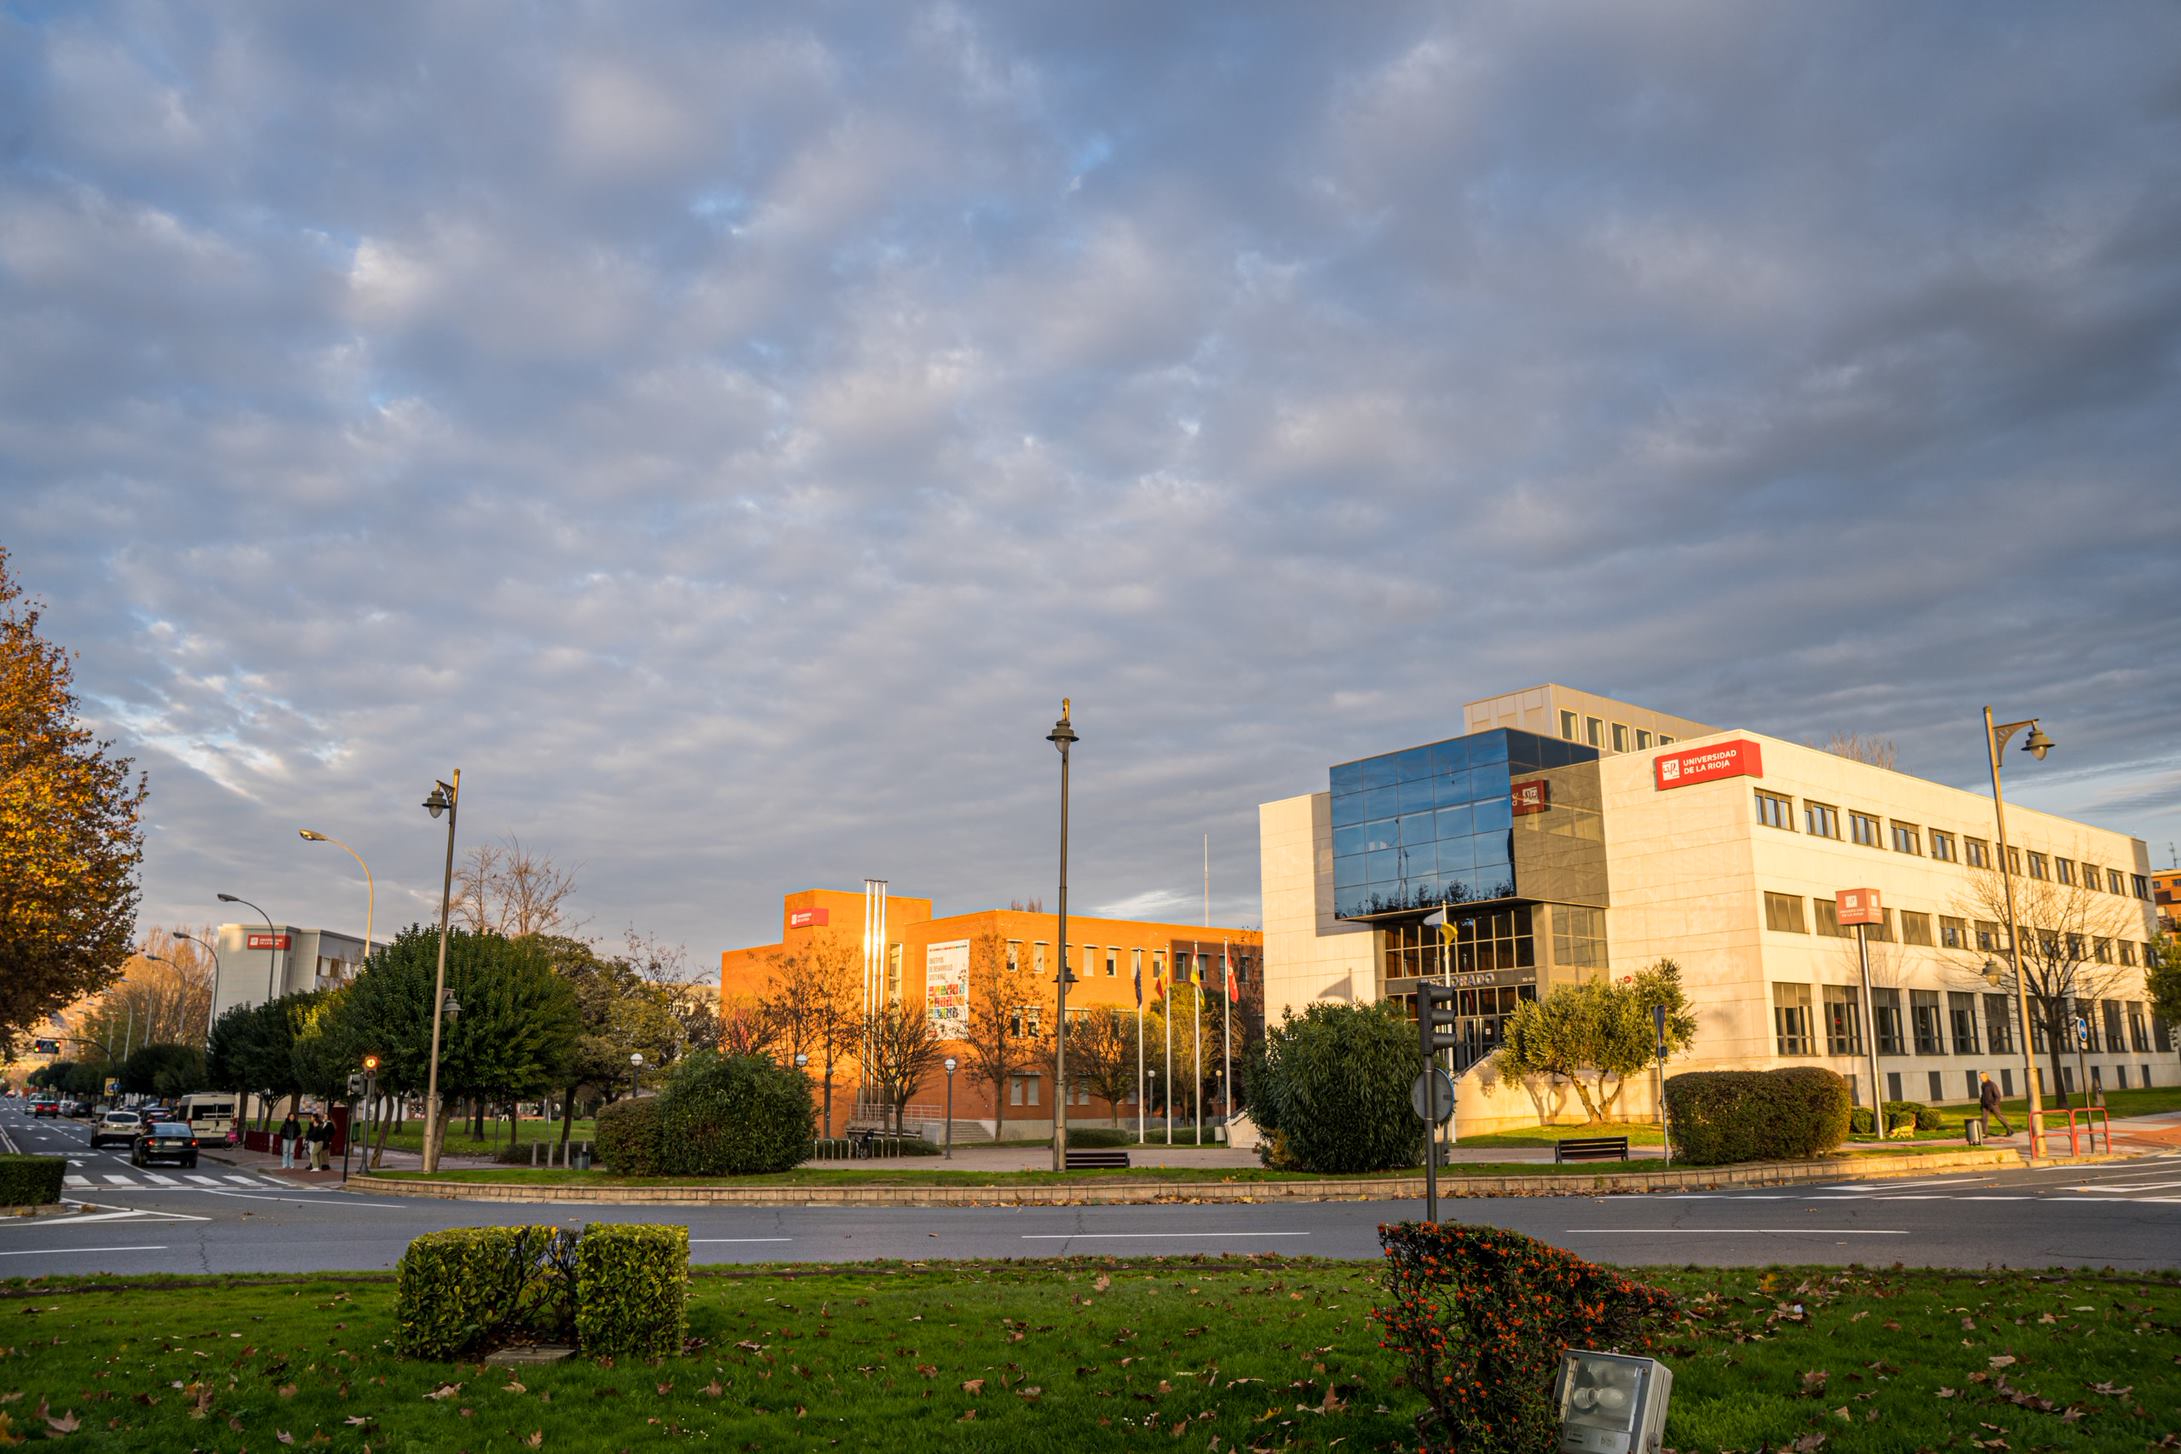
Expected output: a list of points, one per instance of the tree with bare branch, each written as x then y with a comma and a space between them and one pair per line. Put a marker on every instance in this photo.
1857, 747
1006, 1012
744, 1028
2068, 951
810, 1000
904, 1051
506, 889
1102, 1055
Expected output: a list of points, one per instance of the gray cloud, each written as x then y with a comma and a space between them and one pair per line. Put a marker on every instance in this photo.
727, 436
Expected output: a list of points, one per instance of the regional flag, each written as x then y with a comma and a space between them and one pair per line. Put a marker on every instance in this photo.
1138, 976
1234, 992
1158, 980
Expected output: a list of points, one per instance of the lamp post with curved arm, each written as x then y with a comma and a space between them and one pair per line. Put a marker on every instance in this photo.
1063, 736
213, 1009
446, 798
272, 941
371, 890
2037, 744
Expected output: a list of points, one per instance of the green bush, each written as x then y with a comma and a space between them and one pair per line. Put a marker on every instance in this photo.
1337, 1079
1722, 1116
734, 1115
632, 1290
1097, 1138
468, 1289
626, 1137
1479, 1316
1898, 1114
31, 1181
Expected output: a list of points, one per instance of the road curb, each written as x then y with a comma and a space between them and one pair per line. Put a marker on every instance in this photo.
1125, 1193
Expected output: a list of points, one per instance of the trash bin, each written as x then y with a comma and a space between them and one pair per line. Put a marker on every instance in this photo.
1975, 1131
579, 1157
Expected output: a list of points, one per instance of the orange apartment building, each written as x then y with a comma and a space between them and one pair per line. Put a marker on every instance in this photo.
904, 955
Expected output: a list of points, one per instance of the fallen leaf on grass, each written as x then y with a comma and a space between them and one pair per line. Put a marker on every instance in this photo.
1814, 1381
513, 1385
1946, 1393
1808, 1444
445, 1390
286, 1390
2110, 1391
2004, 1360
359, 1421
537, 1437
1102, 1283
1030, 1394
67, 1423
712, 1389
973, 1386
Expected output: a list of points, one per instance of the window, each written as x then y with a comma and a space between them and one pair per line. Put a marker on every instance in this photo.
2161, 1036
1828, 919
2063, 869
1136, 962
1882, 931
1578, 937
1620, 737
1037, 959
1915, 928
1594, 731
1961, 1014
1843, 1021
2114, 882
2103, 950
1886, 1008
1784, 913
2040, 866
1907, 839
1979, 852
2141, 884
2091, 880
1821, 820
1567, 725
1014, 956
1791, 1019
1999, 1024
2014, 860
1158, 964
1987, 936
2128, 953
1665, 741
1953, 933
1923, 1019
1863, 828
1022, 1021
2139, 1030
1022, 1090
1113, 961
2113, 1040
1643, 739
1942, 846
1775, 811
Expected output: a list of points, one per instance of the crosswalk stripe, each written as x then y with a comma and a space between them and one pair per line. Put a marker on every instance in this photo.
76, 1180
113, 1180
203, 1180
242, 1181
159, 1180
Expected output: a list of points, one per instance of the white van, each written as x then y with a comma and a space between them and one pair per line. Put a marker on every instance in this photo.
211, 1116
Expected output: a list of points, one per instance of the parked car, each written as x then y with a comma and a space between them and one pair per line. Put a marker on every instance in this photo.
45, 1106
160, 1140
82, 1108
121, 1126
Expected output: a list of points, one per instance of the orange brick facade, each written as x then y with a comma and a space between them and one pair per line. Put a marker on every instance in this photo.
1106, 955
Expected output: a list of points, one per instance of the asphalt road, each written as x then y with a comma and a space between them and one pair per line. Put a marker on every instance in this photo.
2121, 1215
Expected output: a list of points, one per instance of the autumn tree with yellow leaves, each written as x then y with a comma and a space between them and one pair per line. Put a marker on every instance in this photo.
71, 830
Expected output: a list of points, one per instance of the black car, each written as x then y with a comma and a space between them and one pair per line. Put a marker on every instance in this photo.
164, 1139
122, 1126
45, 1106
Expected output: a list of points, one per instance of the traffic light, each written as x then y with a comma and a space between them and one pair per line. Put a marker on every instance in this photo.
355, 1085
1435, 1018
371, 1064
45, 1047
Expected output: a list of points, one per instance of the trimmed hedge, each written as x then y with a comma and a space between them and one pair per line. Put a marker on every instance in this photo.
467, 1289
1898, 1114
1722, 1116
1479, 1316
632, 1290
31, 1181
734, 1115
627, 1137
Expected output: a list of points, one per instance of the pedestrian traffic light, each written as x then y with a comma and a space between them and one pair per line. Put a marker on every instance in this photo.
1435, 1018
355, 1085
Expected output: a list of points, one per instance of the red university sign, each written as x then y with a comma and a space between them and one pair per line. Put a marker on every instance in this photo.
1738, 758
809, 918
268, 941
1858, 906
1532, 795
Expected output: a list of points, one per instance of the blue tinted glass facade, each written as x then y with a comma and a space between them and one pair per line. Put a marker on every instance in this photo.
1432, 825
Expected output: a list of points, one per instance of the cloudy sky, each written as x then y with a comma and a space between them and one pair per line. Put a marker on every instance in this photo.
726, 435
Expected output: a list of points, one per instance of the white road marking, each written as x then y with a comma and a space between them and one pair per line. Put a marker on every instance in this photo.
694, 1241
2125, 1186
114, 1180
242, 1181
1139, 1236
1742, 1231
75, 1181
200, 1180
77, 1251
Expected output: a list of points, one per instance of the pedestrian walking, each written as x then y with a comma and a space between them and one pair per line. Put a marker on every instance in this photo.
1988, 1103
290, 1132
320, 1137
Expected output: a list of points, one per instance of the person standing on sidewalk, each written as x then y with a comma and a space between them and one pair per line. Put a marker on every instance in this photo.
320, 1136
1988, 1103
290, 1133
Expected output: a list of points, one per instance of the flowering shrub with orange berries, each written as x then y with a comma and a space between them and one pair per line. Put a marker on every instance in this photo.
1481, 1316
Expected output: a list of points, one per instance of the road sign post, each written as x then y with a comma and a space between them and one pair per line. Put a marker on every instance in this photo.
1435, 1032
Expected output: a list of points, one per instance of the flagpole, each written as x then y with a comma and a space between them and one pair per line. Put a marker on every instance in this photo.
1140, 1108
1226, 1019
1168, 1017
1196, 1004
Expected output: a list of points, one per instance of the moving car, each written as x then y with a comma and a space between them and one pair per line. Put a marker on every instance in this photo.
121, 1126
211, 1114
162, 1139
45, 1106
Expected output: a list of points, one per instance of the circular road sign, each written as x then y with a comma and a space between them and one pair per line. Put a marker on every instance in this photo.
1432, 1096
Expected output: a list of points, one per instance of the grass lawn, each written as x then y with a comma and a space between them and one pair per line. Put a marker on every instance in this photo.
1638, 1134
1260, 1352
460, 1143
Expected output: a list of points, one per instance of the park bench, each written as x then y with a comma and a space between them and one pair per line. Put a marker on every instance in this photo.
1591, 1148
1097, 1160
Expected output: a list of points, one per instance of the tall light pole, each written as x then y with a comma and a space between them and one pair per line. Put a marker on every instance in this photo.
952, 1065
636, 1072
212, 1011
272, 941
1063, 737
2036, 745
371, 890
446, 798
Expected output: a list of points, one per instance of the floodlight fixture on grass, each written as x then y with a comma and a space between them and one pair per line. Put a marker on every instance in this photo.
1610, 1403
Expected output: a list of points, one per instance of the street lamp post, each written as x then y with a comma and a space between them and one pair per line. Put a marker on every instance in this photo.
446, 798
1062, 737
371, 889
212, 1010
636, 1072
272, 941
2036, 745
951, 1064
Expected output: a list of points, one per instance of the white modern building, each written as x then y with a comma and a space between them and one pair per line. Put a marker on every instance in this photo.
258, 962
1568, 835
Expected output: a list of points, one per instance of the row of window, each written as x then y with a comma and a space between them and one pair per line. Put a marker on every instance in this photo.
1207, 963
1597, 732
1945, 1023
1784, 914
1823, 820
1972, 1082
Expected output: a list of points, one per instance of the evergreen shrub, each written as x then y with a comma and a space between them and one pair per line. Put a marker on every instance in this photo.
626, 1138
468, 1289
632, 1290
1722, 1116
733, 1115
31, 1181
1337, 1081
